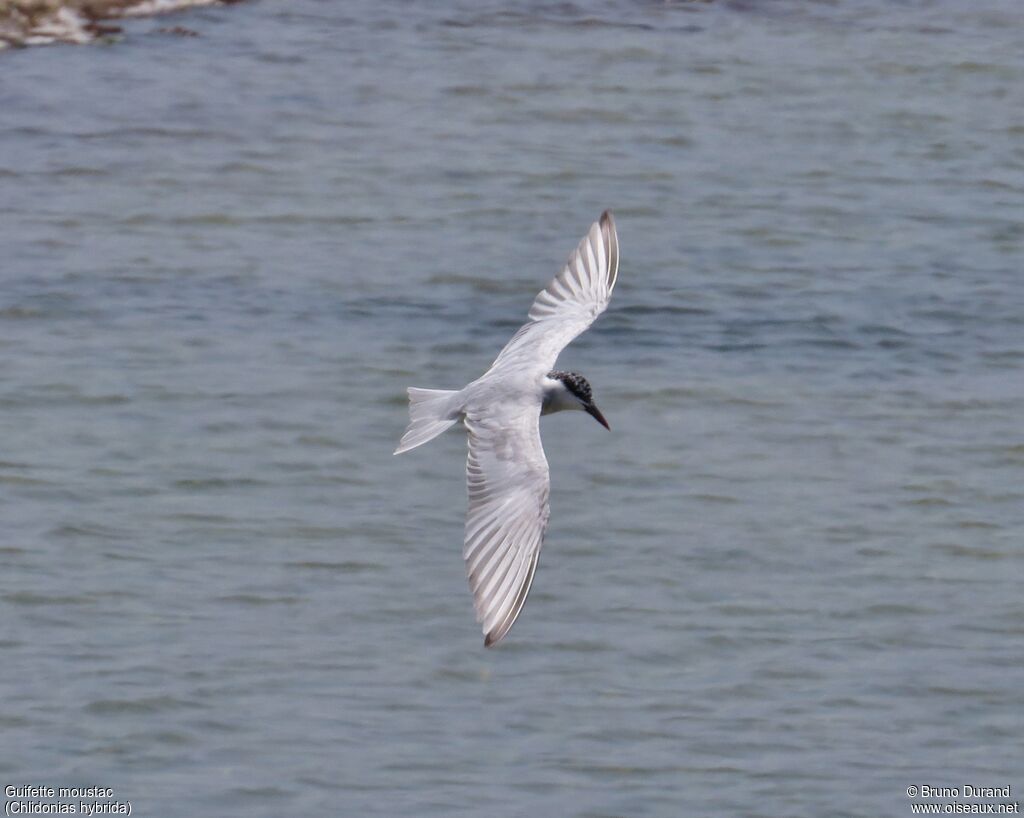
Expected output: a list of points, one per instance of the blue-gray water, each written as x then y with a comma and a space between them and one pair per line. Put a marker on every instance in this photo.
788, 583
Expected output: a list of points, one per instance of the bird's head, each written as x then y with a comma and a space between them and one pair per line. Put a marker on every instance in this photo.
568, 390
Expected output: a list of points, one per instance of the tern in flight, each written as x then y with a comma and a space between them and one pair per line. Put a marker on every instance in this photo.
506, 472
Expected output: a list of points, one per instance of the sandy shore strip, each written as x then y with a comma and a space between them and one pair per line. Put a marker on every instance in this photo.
39, 22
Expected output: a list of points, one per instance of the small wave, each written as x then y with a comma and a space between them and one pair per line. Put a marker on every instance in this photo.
147, 704
258, 599
346, 567
216, 483
32, 598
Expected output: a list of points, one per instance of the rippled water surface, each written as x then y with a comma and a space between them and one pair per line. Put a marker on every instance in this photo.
788, 583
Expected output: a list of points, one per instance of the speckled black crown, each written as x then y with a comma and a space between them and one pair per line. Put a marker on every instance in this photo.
576, 384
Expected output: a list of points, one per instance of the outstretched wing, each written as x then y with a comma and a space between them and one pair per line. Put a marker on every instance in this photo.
570, 303
507, 476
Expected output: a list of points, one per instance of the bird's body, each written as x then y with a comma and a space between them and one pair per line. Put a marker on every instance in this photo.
506, 471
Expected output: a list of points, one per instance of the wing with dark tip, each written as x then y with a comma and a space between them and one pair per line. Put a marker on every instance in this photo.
507, 477
570, 303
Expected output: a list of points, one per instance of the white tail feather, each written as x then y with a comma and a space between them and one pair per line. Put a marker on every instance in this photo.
431, 411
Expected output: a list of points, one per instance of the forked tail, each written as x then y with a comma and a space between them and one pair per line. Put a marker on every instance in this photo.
431, 411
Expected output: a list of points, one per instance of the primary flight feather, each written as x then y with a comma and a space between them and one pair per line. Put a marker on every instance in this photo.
506, 471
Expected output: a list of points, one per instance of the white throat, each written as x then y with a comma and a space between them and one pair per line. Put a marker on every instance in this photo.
557, 398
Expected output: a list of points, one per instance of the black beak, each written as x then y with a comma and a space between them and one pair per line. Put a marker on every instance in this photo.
595, 413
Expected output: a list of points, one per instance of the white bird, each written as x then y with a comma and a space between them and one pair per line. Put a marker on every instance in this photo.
506, 471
